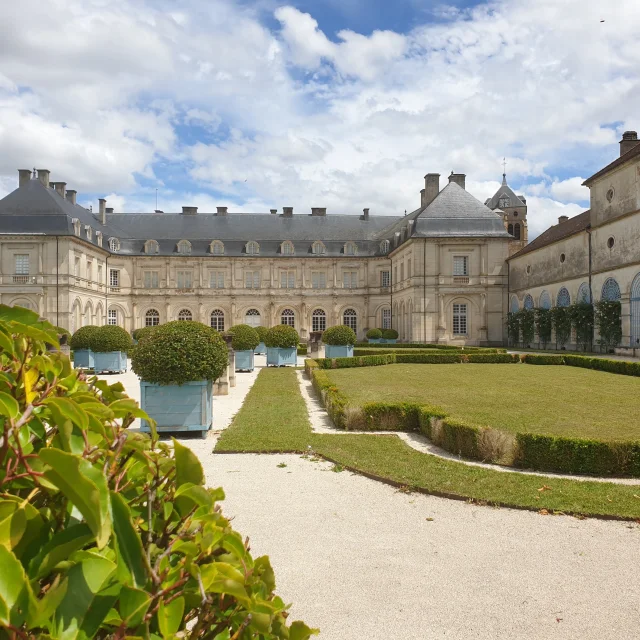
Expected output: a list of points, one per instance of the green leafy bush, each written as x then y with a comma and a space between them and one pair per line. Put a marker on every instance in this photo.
513, 327
621, 367
527, 325
282, 336
179, 352
106, 532
491, 358
83, 337
582, 319
561, 324
543, 325
340, 335
140, 333
609, 323
374, 334
428, 358
349, 363
245, 338
262, 333
389, 334
110, 338
532, 358
302, 349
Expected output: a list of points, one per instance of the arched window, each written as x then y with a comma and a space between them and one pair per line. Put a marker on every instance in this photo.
318, 320
152, 318
563, 299
516, 231
350, 319
584, 296
185, 314
510, 229
253, 248
317, 248
610, 290
515, 305
350, 249
504, 202
151, 247
384, 247
545, 300
288, 317
528, 302
184, 247
217, 320
286, 248
216, 248
252, 318
114, 244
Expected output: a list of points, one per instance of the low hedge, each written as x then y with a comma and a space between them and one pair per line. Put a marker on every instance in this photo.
491, 358
340, 336
389, 334
530, 358
427, 358
302, 349
362, 361
244, 337
83, 337
110, 338
600, 364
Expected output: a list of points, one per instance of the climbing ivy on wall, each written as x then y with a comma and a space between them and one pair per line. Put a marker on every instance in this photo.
609, 323
513, 327
527, 325
582, 320
543, 326
561, 320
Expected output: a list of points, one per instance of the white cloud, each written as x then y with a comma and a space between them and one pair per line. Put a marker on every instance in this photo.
570, 190
544, 212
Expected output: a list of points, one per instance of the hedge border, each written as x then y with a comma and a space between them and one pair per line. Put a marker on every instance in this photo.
425, 345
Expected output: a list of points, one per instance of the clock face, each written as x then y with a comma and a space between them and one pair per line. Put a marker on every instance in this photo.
504, 202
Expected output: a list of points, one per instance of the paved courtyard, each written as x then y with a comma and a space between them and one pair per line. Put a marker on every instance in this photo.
361, 560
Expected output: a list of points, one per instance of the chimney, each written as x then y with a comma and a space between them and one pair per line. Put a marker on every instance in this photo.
109, 209
629, 140
287, 212
458, 178
71, 195
365, 214
273, 211
190, 211
431, 188
43, 176
24, 175
318, 211
562, 219
102, 210
221, 211
59, 187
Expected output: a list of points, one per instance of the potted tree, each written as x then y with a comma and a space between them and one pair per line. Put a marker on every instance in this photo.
262, 334
282, 345
374, 336
339, 341
244, 339
81, 346
110, 345
389, 336
178, 363
138, 334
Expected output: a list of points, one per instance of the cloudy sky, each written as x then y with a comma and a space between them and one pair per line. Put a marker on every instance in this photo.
343, 104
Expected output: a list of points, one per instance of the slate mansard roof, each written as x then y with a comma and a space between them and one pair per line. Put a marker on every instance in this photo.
37, 209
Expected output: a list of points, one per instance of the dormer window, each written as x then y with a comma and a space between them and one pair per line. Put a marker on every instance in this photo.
76, 226
504, 202
318, 248
216, 248
384, 247
286, 248
151, 247
114, 244
89, 231
184, 247
252, 248
350, 249
99, 238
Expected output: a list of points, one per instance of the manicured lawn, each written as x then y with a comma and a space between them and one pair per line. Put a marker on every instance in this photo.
552, 400
274, 418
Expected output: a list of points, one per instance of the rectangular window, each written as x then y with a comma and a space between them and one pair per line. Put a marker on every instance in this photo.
318, 281
100, 274
216, 280
22, 264
151, 280
252, 279
460, 265
350, 279
318, 321
459, 319
112, 317
185, 279
114, 278
386, 318
409, 268
401, 271
89, 270
385, 278
76, 267
287, 279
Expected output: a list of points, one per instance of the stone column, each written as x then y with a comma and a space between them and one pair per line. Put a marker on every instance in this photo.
625, 316
232, 367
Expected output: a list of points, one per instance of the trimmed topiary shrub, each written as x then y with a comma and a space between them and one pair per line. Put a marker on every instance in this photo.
302, 350
179, 352
374, 334
110, 338
244, 337
138, 334
282, 336
389, 334
262, 333
532, 358
83, 337
340, 335
108, 533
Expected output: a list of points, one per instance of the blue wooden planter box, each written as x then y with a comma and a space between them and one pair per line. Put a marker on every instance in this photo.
338, 351
244, 360
83, 358
110, 361
279, 357
374, 340
260, 349
187, 407
388, 340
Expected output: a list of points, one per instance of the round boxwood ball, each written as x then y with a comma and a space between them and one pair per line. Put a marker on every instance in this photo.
179, 352
262, 333
282, 336
83, 337
139, 334
110, 338
340, 335
374, 334
389, 334
244, 337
